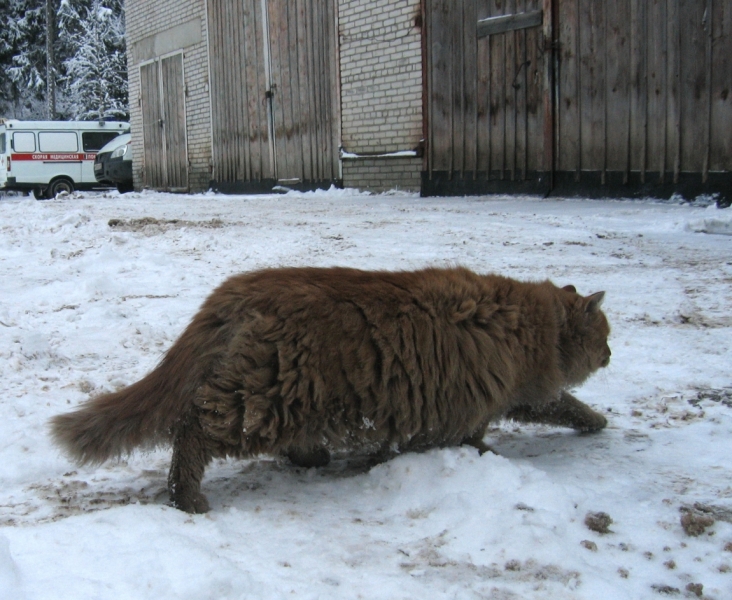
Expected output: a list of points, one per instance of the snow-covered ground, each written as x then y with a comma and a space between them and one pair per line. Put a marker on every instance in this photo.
91, 295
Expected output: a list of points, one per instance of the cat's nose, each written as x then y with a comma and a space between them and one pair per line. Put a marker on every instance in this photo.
606, 360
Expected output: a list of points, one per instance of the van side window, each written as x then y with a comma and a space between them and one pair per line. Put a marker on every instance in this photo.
58, 141
24, 141
92, 141
2, 143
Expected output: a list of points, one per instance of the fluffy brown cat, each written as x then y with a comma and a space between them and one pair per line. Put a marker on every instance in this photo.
305, 361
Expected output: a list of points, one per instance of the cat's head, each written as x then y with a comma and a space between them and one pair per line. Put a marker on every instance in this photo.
583, 335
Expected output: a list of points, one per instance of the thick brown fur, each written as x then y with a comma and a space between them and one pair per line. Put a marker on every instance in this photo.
304, 361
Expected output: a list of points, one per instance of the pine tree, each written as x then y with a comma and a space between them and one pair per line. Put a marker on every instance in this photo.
23, 58
90, 59
95, 72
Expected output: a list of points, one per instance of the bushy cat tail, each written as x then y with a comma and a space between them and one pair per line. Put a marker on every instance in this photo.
144, 414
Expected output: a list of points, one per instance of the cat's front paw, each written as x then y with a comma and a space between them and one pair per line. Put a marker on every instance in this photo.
593, 421
191, 502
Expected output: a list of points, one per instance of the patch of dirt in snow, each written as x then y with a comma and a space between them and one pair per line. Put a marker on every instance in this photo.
153, 226
227, 480
426, 562
59, 499
721, 396
693, 319
680, 408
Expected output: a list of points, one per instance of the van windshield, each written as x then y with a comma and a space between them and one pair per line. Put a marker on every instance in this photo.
95, 140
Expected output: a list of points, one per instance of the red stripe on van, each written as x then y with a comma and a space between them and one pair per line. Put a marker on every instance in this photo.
54, 156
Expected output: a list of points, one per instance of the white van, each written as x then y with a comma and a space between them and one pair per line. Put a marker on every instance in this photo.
49, 157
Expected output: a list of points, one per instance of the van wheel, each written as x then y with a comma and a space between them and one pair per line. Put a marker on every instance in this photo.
59, 186
39, 194
123, 188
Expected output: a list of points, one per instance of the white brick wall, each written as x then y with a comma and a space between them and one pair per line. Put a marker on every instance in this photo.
381, 75
381, 89
146, 18
383, 174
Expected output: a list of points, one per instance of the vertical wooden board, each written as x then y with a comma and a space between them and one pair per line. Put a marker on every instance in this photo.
158, 178
254, 68
214, 50
281, 85
673, 80
152, 131
519, 85
592, 75
147, 119
181, 139
638, 125
721, 87
306, 80
176, 155
457, 76
315, 48
617, 83
168, 93
313, 60
330, 83
333, 94
231, 93
220, 19
510, 96
316, 69
568, 101
470, 81
325, 87
278, 115
240, 119
483, 92
498, 75
549, 136
534, 97
292, 98
694, 91
228, 94
656, 55
440, 93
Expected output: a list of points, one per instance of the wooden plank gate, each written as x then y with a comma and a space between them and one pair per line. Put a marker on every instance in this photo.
274, 94
165, 152
626, 98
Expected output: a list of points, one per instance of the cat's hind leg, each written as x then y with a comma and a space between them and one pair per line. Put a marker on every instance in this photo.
476, 441
191, 454
316, 457
567, 411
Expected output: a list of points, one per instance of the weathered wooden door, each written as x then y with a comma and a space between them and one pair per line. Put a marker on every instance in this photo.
152, 132
590, 97
643, 102
489, 96
164, 124
273, 93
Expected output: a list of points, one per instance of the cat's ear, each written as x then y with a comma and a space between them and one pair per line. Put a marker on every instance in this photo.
570, 288
594, 302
